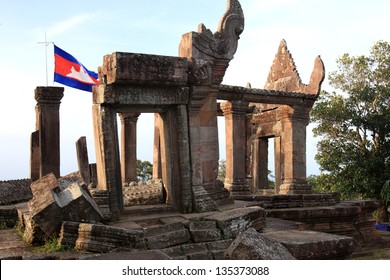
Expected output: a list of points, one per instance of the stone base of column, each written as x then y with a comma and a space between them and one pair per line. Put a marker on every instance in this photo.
294, 187
238, 188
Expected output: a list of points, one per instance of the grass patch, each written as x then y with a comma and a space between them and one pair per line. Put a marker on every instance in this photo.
3, 225
53, 245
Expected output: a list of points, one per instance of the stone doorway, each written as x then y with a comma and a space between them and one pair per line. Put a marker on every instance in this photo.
261, 160
142, 180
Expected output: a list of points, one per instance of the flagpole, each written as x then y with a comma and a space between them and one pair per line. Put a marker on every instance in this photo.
46, 43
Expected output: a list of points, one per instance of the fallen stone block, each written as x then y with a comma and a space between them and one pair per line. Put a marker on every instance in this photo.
100, 238
159, 237
51, 204
251, 245
33, 234
234, 221
313, 245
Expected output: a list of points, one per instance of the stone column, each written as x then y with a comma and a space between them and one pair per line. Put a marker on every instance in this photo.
294, 122
204, 136
107, 156
82, 159
35, 162
278, 163
235, 117
157, 168
260, 164
48, 124
129, 146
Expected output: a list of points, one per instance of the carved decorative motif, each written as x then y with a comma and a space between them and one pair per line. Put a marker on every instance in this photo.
223, 43
284, 75
220, 47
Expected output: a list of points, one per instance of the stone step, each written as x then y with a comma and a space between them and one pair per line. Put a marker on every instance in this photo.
204, 231
99, 238
232, 222
200, 251
163, 236
313, 245
350, 218
277, 201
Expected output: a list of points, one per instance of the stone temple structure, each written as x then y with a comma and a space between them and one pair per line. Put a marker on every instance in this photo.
187, 96
197, 215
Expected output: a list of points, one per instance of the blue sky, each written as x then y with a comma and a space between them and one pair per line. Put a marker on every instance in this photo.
90, 29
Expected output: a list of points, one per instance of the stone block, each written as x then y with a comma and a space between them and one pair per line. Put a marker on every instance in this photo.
175, 253
202, 200
313, 245
251, 245
100, 238
204, 231
159, 237
218, 248
51, 205
132, 68
234, 221
77, 205
82, 159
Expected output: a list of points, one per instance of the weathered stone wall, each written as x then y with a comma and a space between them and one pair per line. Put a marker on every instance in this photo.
151, 192
13, 191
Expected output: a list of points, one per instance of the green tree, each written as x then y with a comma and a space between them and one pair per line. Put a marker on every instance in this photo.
144, 170
354, 127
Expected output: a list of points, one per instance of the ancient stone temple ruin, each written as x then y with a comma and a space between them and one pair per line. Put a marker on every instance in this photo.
186, 95
199, 217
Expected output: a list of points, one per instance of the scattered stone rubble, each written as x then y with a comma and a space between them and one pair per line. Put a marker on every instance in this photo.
53, 203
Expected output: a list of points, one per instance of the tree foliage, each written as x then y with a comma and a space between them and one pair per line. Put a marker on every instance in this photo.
144, 170
354, 125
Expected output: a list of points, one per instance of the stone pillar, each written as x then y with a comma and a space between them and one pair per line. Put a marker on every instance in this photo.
82, 159
157, 168
294, 122
129, 146
235, 117
260, 164
107, 156
204, 136
48, 124
34, 156
278, 163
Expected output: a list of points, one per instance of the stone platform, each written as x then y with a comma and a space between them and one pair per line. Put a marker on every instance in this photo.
156, 231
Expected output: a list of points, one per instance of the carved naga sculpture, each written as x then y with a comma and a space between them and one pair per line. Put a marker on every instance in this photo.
211, 53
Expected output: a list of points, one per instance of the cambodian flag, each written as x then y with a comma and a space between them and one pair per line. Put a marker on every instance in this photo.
68, 71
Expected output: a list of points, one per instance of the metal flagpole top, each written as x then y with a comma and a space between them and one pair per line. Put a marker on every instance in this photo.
46, 43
